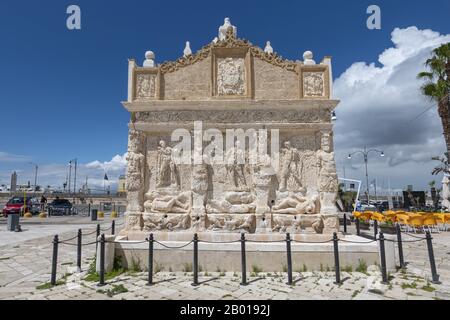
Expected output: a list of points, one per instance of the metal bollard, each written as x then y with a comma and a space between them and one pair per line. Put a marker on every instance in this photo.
113, 227
102, 261
243, 261
289, 258
383, 260
79, 241
150, 260
434, 274
337, 269
345, 223
400, 246
375, 229
97, 234
195, 283
358, 231
54, 261
89, 210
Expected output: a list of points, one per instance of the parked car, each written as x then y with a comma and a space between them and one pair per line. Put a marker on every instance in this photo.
60, 207
16, 205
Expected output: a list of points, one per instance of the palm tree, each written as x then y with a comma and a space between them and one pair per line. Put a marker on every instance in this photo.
437, 85
444, 167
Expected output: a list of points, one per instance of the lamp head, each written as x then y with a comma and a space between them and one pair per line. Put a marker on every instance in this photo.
349, 156
333, 116
382, 154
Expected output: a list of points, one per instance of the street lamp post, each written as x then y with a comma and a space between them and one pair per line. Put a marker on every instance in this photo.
365, 153
75, 162
70, 176
35, 175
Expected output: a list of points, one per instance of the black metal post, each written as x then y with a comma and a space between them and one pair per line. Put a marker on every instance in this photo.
337, 268
97, 234
434, 274
400, 246
358, 231
113, 227
345, 223
102, 261
54, 260
79, 241
243, 261
375, 229
383, 260
195, 283
289, 258
89, 209
150, 259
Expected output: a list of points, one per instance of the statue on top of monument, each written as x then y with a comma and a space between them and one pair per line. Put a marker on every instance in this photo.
223, 29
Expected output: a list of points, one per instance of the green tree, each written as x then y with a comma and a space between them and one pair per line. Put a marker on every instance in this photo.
437, 85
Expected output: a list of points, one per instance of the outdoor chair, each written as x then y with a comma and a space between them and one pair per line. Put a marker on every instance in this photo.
430, 223
403, 221
378, 217
441, 220
416, 222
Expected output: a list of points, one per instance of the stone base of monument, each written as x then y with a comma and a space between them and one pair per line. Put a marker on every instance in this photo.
266, 252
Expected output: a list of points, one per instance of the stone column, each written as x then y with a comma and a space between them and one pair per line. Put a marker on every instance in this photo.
446, 193
135, 180
328, 183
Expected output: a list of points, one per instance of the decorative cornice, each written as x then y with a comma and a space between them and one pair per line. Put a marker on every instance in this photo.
230, 42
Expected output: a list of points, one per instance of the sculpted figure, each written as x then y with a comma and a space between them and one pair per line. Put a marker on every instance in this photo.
327, 173
164, 222
235, 165
169, 203
167, 171
289, 162
297, 204
234, 202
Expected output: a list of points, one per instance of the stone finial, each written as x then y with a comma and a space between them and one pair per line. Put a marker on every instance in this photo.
187, 50
268, 49
149, 59
223, 29
308, 58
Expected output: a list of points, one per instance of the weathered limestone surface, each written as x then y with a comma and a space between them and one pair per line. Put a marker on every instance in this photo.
273, 82
189, 83
231, 84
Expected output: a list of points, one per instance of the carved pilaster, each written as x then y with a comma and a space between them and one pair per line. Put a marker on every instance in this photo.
135, 177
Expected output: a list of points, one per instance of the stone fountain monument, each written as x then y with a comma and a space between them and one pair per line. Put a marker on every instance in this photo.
269, 103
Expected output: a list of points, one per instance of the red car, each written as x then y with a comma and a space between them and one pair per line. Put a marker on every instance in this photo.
15, 205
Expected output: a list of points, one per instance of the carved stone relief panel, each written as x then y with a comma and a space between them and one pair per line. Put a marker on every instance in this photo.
313, 84
236, 116
145, 86
231, 77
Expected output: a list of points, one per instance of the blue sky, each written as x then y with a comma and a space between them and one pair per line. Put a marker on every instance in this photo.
61, 90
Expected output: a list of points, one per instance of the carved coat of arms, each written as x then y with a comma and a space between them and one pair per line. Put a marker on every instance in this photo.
231, 76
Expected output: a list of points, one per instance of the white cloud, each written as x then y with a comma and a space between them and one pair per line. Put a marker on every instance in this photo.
379, 108
117, 163
10, 157
56, 174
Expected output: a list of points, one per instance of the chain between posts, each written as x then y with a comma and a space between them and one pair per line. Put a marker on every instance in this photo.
102, 241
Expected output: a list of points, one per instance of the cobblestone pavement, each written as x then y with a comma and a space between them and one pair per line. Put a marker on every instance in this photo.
25, 266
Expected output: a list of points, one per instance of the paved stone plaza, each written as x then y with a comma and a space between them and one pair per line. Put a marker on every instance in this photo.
25, 266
